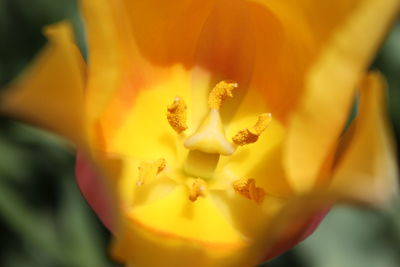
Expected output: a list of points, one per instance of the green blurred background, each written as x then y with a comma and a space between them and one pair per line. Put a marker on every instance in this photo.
45, 222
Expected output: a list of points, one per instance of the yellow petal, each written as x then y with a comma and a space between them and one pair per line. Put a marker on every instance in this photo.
248, 43
290, 35
111, 69
145, 133
121, 60
182, 233
367, 171
319, 120
227, 39
50, 93
166, 32
109, 51
319, 17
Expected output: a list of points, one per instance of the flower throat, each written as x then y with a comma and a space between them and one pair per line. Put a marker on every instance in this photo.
209, 142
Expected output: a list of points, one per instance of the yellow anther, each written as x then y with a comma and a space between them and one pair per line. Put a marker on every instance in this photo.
161, 164
219, 93
148, 171
176, 115
250, 135
247, 188
197, 189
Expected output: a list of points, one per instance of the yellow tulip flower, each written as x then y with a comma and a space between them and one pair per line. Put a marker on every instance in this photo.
212, 132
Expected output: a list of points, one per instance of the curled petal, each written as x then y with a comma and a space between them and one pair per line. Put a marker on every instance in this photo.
367, 171
51, 90
330, 86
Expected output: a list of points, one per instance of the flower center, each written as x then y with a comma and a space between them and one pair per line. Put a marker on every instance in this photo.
208, 143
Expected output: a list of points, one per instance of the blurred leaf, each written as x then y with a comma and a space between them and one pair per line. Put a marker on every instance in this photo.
388, 62
35, 230
83, 244
68, 234
348, 238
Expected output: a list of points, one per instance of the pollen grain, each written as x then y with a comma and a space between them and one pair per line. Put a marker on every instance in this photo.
197, 189
219, 93
248, 189
250, 135
176, 115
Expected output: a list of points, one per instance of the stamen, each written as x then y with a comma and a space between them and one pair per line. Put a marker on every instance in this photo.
250, 135
219, 93
197, 189
176, 115
247, 188
148, 171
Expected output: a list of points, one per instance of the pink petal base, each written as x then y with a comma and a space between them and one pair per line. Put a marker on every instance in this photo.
93, 190
309, 227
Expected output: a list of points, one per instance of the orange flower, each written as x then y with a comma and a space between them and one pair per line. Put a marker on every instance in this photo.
216, 126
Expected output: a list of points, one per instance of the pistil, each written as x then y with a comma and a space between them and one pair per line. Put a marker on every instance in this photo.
210, 137
209, 142
201, 164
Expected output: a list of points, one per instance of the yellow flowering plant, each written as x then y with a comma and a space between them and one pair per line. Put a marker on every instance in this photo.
212, 133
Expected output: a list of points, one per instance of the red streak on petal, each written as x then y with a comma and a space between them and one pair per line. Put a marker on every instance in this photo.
94, 191
301, 235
